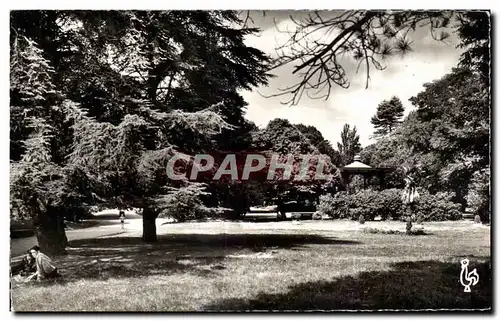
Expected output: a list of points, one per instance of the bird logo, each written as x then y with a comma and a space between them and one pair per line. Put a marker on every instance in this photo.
468, 278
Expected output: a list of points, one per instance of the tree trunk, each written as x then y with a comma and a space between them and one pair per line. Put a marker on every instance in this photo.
149, 225
51, 235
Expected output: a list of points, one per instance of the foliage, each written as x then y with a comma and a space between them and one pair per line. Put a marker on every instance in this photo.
394, 232
454, 111
317, 216
388, 116
361, 219
282, 138
168, 110
369, 203
101, 100
323, 145
185, 204
436, 207
349, 145
334, 206
474, 30
478, 198
388, 204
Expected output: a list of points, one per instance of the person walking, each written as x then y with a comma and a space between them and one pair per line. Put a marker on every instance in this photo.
121, 216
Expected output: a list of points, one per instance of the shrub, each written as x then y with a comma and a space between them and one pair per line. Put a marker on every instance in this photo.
394, 232
371, 203
186, 204
478, 198
387, 204
316, 216
361, 219
436, 207
477, 219
334, 206
380, 231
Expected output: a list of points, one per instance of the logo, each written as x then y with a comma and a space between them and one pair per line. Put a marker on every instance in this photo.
467, 278
244, 166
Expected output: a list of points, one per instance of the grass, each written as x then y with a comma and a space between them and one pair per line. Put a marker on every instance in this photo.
268, 267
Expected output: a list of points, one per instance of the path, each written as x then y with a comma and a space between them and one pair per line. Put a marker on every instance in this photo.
19, 245
133, 228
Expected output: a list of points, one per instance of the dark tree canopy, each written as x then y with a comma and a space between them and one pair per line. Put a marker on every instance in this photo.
317, 139
446, 139
110, 97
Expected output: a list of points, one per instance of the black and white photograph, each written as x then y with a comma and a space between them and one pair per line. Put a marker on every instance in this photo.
250, 160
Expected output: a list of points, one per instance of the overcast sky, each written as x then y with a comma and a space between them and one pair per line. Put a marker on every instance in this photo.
403, 77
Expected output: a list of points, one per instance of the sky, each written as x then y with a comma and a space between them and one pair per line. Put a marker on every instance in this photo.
404, 77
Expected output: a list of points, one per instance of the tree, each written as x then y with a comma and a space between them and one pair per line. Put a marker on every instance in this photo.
321, 43
282, 138
33, 99
349, 145
389, 114
317, 139
213, 66
138, 87
456, 110
474, 30
446, 139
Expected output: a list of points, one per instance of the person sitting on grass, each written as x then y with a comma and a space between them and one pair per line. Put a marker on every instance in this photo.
28, 265
45, 269
25, 269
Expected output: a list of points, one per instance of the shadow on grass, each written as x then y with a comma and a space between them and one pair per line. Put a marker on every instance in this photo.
409, 285
198, 254
215, 241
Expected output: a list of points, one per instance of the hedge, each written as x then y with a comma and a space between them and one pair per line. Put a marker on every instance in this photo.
387, 204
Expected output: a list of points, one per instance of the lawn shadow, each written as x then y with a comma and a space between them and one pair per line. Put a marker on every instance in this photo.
408, 285
199, 254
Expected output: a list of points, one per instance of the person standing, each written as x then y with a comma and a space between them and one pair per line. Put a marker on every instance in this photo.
281, 209
410, 193
121, 215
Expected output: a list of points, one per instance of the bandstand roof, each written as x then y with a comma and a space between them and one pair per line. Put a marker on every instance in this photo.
358, 167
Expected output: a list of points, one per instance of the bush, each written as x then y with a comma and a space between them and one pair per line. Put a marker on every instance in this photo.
387, 204
477, 219
395, 232
380, 231
186, 204
334, 206
436, 207
370, 204
361, 219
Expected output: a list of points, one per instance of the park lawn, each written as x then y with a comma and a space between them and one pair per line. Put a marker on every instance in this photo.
268, 269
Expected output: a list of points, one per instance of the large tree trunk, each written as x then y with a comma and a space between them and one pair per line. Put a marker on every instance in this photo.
51, 235
149, 225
